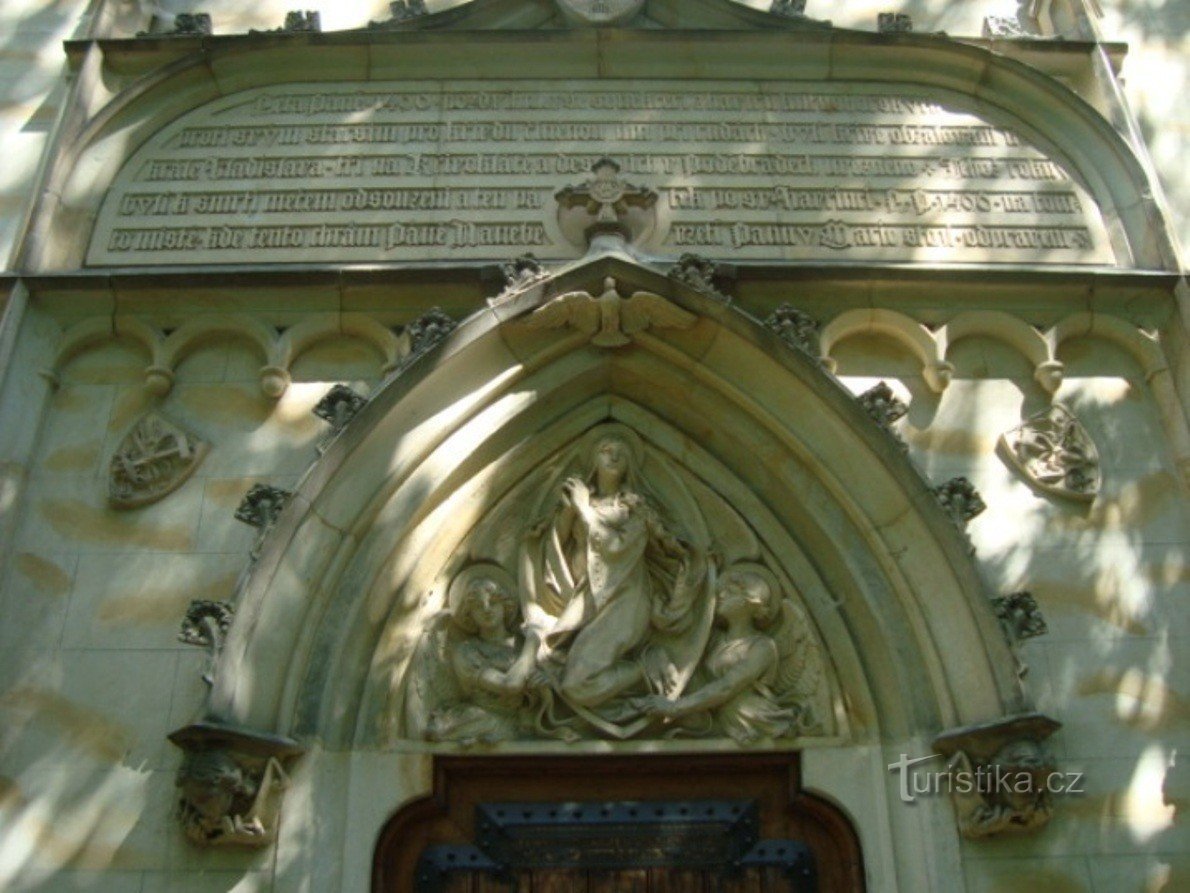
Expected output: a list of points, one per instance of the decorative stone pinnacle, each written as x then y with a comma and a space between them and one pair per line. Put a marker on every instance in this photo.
960, 499
261, 505
797, 329
699, 273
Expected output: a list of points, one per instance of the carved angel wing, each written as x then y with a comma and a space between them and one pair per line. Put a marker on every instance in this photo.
645, 309
799, 665
430, 680
578, 309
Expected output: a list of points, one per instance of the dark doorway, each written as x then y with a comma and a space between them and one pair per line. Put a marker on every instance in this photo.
618, 824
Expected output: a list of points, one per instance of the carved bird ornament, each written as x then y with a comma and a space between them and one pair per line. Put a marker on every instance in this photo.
608, 319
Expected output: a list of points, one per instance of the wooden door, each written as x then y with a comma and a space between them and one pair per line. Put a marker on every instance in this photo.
637, 880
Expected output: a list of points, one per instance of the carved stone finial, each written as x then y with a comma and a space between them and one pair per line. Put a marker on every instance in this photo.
607, 319
606, 203
261, 505
960, 499
230, 784
1054, 452
186, 24
894, 23
699, 273
883, 406
155, 458
520, 273
206, 625
1006, 772
797, 329
793, 9
339, 406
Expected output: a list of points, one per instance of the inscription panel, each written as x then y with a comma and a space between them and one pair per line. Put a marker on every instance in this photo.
468, 170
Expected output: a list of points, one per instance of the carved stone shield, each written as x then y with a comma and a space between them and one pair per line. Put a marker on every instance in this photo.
154, 459
1055, 453
600, 12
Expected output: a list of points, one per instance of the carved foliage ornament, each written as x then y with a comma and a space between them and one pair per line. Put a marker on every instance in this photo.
1006, 770
607, 319
797, 329
894, 23
960, 500
154, 459
885, 407
261, 505
699, 273
620, 623
520, 273
789, 8
205, 626
196, 24
1055, 453
230, 784
339, 406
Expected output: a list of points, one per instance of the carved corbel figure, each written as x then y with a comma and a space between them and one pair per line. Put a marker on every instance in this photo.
230, 784
699, 273
1001, 774
155, 458
608, 319
1054, 452
206, 625
884, 407
797, 329
960, 500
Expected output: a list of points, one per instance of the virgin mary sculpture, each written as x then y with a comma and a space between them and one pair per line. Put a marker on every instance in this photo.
620, 599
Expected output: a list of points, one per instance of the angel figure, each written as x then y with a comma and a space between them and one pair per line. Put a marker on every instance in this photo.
760, 662
468, 677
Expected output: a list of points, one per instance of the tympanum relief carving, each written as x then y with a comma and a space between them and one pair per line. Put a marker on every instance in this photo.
633, 604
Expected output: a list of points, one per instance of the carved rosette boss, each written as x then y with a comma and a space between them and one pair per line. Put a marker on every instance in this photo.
1054, 452
1001, 774
230, 784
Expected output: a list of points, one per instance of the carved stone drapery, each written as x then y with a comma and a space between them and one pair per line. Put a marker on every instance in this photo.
797, 329
620, 625
230, 784
608, 319
205, 625
1006, 769
155, 458
699, 273
1054, 452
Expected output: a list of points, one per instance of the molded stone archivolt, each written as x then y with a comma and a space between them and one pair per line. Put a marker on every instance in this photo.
624, 620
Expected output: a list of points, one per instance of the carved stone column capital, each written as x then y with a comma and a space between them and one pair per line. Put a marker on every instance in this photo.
230, 783
1006, 768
